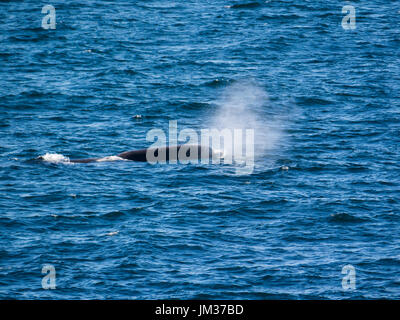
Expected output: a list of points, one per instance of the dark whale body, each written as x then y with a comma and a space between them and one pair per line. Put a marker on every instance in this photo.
165, 153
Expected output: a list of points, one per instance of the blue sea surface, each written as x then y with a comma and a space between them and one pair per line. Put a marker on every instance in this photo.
324, 192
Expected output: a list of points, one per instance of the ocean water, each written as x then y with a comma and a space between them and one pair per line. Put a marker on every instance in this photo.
324, 192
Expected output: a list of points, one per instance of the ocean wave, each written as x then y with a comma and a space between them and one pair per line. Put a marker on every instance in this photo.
345, 218
248, 5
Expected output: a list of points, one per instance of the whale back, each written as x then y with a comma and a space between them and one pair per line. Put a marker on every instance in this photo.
180, 152
161, 154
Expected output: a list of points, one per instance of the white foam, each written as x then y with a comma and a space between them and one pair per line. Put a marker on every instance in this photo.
55, 158
110, 158
113, 233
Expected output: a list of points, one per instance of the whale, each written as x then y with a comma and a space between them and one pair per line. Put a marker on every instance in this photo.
161, 154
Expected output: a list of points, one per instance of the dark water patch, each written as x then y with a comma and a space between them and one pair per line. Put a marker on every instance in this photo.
389, 262
280, 17
185, 248
114, 215
273, 202
32, 94
312, 101
346, 218
354, 167
12, 223
247, 5
196, 105
58, 118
